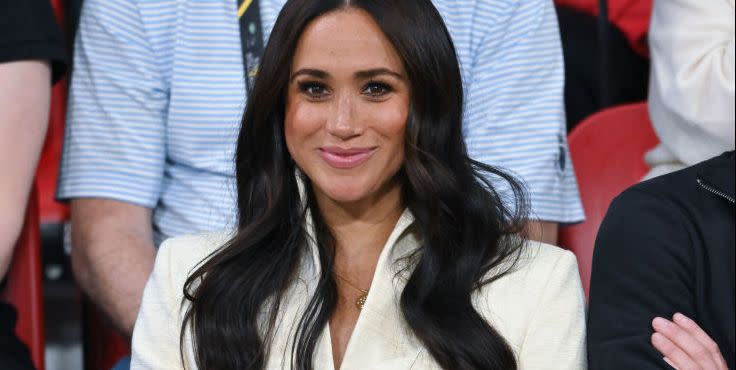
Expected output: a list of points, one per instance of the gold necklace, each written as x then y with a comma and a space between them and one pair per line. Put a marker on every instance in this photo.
364, 292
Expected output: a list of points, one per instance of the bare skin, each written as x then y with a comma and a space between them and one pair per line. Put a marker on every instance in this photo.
685, 345
112, 256
25, 96
543, 231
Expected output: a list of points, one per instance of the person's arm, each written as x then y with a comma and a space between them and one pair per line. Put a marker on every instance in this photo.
515, 116
691, 91
112, 255
555, 336
114, 155
25, 95
545, 232
641, 270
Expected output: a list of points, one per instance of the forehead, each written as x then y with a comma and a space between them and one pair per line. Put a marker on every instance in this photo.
346, 39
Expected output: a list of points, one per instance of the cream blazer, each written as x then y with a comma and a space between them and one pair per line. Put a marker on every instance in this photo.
539, 308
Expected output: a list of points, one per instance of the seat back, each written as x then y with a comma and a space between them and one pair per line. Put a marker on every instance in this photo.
607, 150
24, 288
103, 345
51, 211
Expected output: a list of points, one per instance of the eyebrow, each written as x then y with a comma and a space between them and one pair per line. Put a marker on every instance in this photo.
310, 72
369, 73
376, 72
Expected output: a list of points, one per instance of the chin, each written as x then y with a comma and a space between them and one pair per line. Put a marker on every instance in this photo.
344, 191
345, 195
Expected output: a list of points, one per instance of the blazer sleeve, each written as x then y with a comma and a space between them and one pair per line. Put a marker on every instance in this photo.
641, 269
555, 338
156, 333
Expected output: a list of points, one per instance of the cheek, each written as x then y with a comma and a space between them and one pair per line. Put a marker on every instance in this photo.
391, 125
301, 122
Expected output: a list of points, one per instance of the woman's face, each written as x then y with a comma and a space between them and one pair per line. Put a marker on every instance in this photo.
347, 107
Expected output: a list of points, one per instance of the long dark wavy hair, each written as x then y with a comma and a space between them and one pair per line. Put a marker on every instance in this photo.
466, 231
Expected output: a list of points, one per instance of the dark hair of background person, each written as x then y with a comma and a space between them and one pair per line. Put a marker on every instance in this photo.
464, 227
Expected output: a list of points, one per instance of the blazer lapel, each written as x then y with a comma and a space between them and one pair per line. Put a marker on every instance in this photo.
381, 339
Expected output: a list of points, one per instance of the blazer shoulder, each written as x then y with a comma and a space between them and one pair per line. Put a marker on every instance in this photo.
543, 284
537, 266
543, 259
183, 254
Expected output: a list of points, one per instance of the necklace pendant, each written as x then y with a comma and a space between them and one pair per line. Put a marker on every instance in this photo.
361, 301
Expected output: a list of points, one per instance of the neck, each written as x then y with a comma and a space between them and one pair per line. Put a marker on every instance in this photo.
361, 229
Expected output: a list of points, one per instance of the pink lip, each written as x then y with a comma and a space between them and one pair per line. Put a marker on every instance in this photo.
345, 158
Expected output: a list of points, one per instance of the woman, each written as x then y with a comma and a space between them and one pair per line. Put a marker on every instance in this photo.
387, 250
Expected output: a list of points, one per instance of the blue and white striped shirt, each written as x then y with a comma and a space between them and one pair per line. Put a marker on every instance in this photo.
158, 92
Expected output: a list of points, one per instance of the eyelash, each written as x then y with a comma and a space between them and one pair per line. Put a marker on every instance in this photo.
385, 89
308, 87
305, 87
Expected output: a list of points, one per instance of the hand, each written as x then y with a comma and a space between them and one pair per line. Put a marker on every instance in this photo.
685, 346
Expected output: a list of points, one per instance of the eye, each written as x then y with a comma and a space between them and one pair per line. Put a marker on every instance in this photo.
376, 89
314, 90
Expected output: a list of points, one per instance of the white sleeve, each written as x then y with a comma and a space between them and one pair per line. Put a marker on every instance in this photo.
691, 94
156, 333
555, 338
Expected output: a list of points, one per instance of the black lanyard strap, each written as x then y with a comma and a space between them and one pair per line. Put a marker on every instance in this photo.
251, 38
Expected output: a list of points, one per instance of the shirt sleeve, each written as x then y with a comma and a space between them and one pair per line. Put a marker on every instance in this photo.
114, 144
29, 31
640, 271
555, 338
155, 343
515, 118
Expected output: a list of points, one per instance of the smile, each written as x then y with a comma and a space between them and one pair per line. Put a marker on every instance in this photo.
345, 158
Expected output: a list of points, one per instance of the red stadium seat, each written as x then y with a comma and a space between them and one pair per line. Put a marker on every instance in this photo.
607, 150
50, 210
24, 288
103, 345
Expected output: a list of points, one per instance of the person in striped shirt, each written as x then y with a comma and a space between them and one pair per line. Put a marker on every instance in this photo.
155, 105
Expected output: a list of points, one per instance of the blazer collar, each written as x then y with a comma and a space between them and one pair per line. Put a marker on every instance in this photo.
381, 338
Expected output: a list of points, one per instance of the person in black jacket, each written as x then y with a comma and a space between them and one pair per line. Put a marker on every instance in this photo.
662, 288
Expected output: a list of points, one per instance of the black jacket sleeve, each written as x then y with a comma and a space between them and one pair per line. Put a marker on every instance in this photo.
642, 268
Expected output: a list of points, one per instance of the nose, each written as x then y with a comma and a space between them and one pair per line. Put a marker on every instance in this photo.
343, 122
